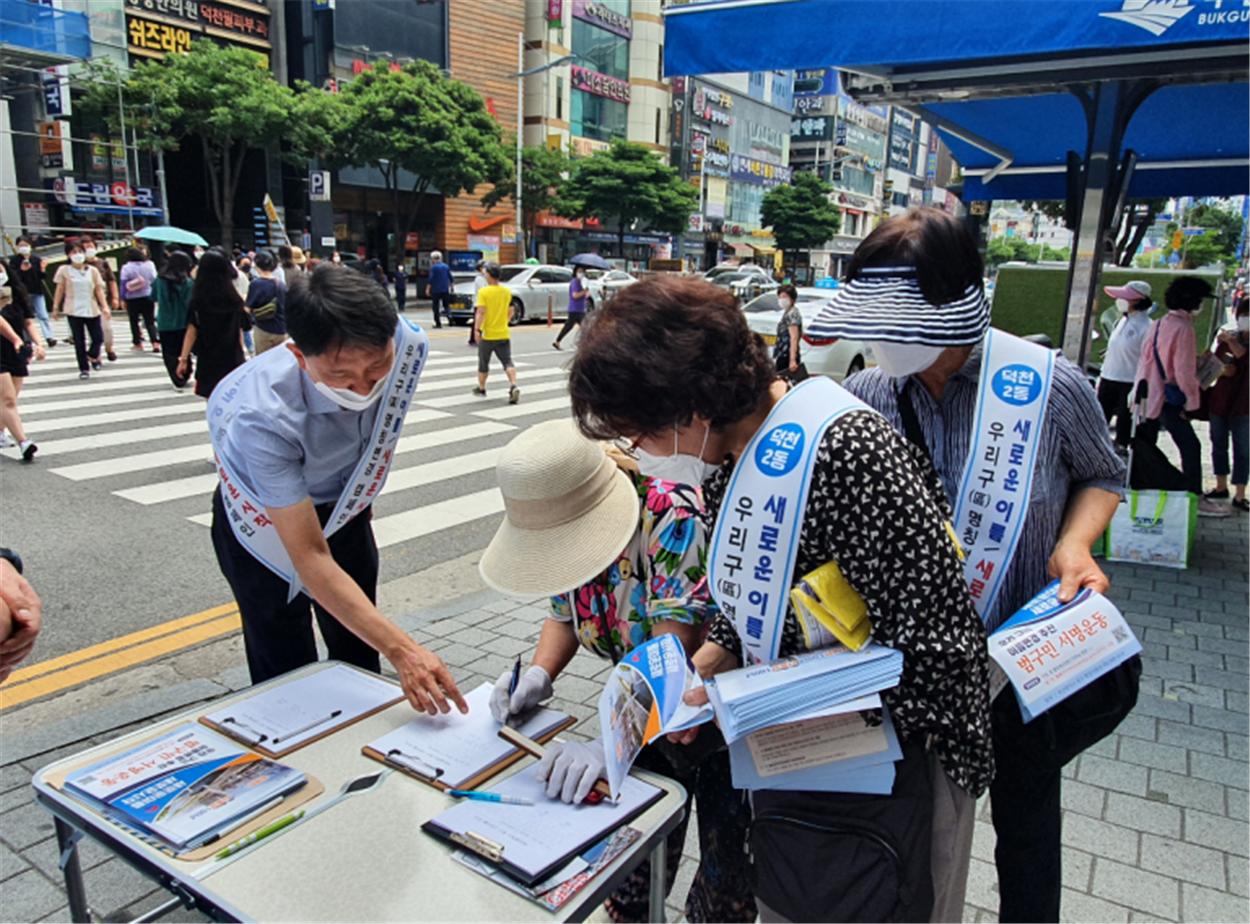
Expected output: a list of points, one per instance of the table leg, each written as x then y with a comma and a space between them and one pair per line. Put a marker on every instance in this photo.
75, 888
659, 858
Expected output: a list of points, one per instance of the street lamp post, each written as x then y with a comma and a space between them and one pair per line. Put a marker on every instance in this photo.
520, 76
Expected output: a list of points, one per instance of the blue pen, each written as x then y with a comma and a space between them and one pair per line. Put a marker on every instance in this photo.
488, 797
516, 677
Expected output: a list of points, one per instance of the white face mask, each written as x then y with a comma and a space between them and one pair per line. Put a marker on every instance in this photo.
784, 303
4, 279
1121, 305
350, 400
1243, 324
89, 252
680, 467
902, 359
24, 250
78, 258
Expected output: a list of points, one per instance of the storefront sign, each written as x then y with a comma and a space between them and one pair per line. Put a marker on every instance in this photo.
583, 78
585, 147
555, 12
696, 223
319, 186
487, 244
814, 83
55, 95
36, 215
603, 16
765, 136
749, 170
412, 241
51, 154
806, 105
812, 128
712, 106
116, 197
236, 22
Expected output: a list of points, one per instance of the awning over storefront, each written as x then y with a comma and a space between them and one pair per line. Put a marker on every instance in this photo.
742, 250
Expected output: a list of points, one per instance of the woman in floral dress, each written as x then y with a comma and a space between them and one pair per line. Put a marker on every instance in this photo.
656, 584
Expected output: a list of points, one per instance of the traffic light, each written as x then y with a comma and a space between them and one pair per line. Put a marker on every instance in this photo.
1178, 239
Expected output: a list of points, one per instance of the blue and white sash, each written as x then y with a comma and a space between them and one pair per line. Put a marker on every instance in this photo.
994, 493
252, 528
756, 538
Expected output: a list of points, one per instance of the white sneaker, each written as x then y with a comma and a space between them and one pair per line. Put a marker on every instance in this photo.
1210, 508
5, 440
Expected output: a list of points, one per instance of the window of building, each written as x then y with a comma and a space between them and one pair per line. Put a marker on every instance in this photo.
745, 202
598, 117
657, 125
659, 68
559, 97
755, 85
605, 51
783, 90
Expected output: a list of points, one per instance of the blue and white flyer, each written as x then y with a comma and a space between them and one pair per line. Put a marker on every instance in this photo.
643, 700
1049, 650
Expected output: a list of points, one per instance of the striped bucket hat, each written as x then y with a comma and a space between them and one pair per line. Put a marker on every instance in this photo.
886, 303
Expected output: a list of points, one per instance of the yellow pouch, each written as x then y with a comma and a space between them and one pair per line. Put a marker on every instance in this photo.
824, 599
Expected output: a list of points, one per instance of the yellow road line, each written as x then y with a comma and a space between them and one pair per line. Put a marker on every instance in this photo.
115, 644
13, 695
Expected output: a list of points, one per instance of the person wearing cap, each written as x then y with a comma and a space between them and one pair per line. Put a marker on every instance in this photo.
491, 316
622, 558
698, 399
1119, 364
914, 291
296, 432
1168, 368
440, 286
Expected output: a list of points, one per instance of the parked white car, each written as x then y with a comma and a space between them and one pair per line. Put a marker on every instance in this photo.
832, 357
531, 285
604, 284
744, 280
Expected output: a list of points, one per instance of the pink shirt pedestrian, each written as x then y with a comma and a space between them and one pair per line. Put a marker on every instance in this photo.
1177, 347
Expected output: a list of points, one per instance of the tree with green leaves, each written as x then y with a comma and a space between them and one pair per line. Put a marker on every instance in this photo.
628, 183
543, 173
1222, 229
800, 214
420, 129
221, 96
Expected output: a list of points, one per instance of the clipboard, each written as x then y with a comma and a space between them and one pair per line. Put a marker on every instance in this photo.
311, 789
416, 767
263, 744
492, 850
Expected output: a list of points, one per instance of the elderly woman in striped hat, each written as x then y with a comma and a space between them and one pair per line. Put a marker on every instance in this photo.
1019, 442
796, 478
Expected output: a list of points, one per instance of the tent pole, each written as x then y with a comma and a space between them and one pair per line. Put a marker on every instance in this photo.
1097, 182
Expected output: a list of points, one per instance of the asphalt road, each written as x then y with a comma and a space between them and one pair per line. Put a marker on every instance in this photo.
106, 516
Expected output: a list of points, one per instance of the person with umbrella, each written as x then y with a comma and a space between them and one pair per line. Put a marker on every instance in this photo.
578, 291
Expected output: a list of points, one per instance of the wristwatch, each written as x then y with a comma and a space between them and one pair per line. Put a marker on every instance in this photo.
13, 557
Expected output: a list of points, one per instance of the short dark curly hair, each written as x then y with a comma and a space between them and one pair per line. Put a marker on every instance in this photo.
663, 351
1187, 293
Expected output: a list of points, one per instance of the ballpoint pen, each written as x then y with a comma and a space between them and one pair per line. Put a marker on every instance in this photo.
488, 797
311, 725
260, 834
516, 677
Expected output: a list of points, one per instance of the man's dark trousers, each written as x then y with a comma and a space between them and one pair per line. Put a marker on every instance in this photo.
278, 636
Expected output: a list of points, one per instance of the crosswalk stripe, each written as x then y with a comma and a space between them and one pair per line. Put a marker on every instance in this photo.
95, 420
119, 438
508, 411
28, 409
432, 518
467, 371
38, 375
119, 465
466, 384
418, 441
470, 398
99, 382
163, 491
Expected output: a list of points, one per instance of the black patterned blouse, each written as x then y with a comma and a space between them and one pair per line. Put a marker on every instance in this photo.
877, 508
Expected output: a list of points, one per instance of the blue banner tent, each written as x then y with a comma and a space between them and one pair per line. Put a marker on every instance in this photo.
1093, 101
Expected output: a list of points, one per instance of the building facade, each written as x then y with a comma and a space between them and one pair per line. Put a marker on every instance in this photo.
731, 140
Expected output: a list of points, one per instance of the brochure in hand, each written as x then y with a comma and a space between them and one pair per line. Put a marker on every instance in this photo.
1049, 650
186, 787
763, 695
643, 700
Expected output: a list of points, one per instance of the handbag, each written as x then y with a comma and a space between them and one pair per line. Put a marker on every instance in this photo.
798, 374
1172, 393
825, 856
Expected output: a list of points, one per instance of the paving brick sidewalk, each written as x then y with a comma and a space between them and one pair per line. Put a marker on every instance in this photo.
1155, 823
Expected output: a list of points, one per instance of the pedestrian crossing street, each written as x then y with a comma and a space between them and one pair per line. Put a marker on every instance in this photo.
128, 433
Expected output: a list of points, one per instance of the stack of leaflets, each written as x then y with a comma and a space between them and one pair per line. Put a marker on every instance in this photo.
762, 695
1049, 650
185, 788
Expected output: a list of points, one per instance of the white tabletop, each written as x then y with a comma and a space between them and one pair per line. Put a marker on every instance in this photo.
364, 858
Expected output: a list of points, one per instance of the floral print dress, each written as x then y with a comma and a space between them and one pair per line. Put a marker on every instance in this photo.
661, 575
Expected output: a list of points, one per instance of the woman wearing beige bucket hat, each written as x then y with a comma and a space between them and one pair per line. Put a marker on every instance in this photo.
623, 558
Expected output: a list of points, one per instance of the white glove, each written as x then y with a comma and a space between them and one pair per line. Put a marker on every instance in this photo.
571, 769
532, 688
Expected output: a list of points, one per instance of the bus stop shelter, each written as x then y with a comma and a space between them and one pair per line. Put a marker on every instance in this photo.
1089, 101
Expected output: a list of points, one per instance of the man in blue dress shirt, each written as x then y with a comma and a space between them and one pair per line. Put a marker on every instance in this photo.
293, 431
440, 286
